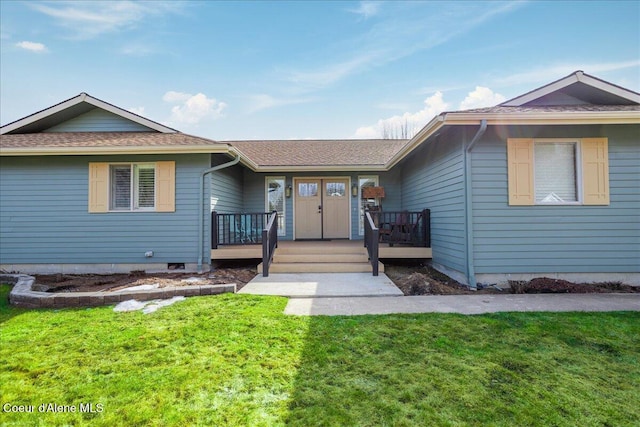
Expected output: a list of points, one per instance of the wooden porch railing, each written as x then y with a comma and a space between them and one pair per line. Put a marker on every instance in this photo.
237, 228
371, 241
404, 227
269, 242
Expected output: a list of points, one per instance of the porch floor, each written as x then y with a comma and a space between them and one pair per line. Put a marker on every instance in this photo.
255, 251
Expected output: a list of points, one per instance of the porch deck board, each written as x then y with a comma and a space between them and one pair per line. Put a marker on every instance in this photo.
300, 246
237, 252
407, 252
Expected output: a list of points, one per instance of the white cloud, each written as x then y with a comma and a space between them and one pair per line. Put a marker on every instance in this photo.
367, 9
89, 19
407, 124
32, 46
367, 132
192, 109
176, 97
481, 97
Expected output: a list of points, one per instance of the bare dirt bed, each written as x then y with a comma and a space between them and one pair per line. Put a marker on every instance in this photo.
238, 273
424, 280
414, 279
411, 279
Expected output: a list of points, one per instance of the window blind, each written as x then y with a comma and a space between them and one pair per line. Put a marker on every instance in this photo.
145, 186
121, 187
555, 172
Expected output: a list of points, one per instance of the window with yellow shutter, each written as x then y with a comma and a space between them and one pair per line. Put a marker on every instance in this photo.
555, 172
129, 187
558, 171
133, 187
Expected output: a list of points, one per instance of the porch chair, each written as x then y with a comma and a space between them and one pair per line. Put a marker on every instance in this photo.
405, 229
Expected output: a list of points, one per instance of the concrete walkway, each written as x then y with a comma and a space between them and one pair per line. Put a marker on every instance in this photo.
463, 304
333, 294
322, 285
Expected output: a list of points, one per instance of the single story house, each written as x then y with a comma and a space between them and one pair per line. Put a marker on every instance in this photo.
544, 184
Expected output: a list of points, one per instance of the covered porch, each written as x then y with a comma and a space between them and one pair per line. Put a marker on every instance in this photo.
313, 216
400, 235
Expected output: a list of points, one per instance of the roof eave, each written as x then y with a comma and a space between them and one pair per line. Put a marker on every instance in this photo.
321, 168
425, 133
522, 118
551, 118
244, 159
96, 151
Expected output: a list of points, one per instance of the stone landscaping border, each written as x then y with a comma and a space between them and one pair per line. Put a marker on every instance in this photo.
22, 294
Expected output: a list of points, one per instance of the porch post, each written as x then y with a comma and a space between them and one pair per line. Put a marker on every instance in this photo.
426, 229
214, 230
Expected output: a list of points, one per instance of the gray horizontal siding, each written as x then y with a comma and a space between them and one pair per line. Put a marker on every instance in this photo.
226, 187
392, 183
433, 178
563, 239
99, 120
44, 218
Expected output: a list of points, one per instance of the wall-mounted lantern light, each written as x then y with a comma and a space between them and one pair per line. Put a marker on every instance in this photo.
287, 191
354, 190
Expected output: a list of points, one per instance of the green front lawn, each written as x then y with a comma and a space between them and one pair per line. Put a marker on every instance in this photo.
237, 360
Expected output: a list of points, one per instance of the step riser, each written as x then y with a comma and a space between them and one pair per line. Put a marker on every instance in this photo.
315, 250
321, 268
319, 258
318, 268
327, 257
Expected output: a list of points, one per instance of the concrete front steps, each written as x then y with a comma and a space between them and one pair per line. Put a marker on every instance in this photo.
321, 257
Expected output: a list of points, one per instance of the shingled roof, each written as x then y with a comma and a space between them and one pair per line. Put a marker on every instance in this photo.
90, 142
502, 109
575, 99
320, 153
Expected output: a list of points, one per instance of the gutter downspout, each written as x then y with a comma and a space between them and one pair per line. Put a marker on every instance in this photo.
201, 207
469, 202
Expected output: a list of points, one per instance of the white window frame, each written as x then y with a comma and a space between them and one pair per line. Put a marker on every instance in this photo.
282, 231
578, 168
376, 179
134, 202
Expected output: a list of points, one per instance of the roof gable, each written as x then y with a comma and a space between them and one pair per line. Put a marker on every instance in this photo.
98, 120
576, 89
55, 118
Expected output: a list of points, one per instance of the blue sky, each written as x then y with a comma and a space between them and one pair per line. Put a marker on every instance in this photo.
297, 70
